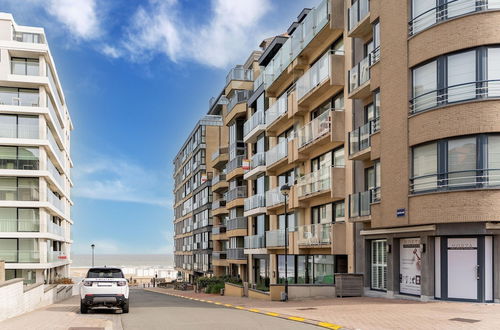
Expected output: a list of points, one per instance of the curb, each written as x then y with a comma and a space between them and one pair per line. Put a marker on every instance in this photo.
326, 325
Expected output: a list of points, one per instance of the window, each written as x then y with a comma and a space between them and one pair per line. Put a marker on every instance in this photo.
494, 71
24, 66
321, 214
323, 269
290, 269
462, 76
425, 167
462, 161
304, 269
379, 264
338, 158
311, 269
425, 86
339, 211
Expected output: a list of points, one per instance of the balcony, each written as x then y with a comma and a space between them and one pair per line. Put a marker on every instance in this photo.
360, 140
19, 225
254, 126
219, 255
220, 157
219, 183
277, 154
19, 97
28, 37
19, 193
359, 203
236, 254
257, 166
217, 102
55, 200
315, 234
274, 197
276, 70
314, 183
234, 165
236, 193
20, 256
359, 19
239, 97
239, 223
55, 229
359, 76
255, 242
255, 204
219, 207
19, 164
239, 73
19, 131
275, 238
276, 111
314, 130
219, 230
56, 256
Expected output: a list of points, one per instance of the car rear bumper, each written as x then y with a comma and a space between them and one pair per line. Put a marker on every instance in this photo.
106, 300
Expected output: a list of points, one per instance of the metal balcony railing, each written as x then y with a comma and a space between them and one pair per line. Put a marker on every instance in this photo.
359, 139
358, 11
314, 129
236, 254
237, 223
240, 96
314, 182
274, 197
235, 193
359, 203
315, 234
239, 73
234, 163
275, 238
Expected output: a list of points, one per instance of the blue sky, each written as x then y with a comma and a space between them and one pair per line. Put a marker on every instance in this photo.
137, 75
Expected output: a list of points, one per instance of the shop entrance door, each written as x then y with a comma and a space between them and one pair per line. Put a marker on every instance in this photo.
463, 268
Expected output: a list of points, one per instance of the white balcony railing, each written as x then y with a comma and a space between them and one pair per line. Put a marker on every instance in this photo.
277, 153
55, 229
315, 76
275, 238
20, 256
315, 129
357, 12
55, 256
258, 118
315, 234
255, 201
19, 225
235, 193
274, 197
255, 242
54, 200
258, 159
277, 110
314, 182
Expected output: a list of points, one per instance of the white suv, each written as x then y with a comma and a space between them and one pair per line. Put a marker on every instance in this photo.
104, 287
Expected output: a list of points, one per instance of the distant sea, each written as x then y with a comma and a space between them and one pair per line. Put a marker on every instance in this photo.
123, 260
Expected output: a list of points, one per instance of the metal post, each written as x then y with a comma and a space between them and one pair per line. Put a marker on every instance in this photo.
92, 246
286, 250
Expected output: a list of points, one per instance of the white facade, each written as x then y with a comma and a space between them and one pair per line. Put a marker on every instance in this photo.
35, 163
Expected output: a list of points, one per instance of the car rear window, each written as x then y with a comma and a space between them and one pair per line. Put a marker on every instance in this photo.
104, 273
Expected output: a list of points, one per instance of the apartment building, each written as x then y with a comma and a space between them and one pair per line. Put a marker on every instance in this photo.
35, 162
382, 118
193, 199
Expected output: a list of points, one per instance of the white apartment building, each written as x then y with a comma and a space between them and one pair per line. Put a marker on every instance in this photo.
35, 163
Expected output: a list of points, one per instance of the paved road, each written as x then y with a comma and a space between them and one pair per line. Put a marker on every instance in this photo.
150, 310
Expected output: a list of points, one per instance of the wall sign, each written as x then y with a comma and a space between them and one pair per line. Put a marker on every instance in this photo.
400, 212
410, 266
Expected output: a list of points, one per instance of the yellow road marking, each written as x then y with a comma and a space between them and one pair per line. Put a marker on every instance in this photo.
272, 314
218, 303
228, 305
294, 318
254, 310
329, 325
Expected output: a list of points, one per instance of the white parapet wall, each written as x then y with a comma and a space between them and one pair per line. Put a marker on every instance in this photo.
17, 299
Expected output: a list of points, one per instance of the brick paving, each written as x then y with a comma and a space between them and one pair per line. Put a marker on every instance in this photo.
372, 313
63, 315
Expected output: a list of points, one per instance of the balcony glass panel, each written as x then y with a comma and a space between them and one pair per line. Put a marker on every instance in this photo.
239, 73
236, 223
255, 242
235, 193
315, 76
315, 234
314, 182
359, 139
258, 118
277, 152
236, 254
255, 201
240, 96
358, 11
278, 109
360, 202
19, 189
274, 197
315, 129
275, 238
34, 38
25, 66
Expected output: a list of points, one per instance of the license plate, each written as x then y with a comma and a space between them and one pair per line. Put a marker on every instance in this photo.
103, 284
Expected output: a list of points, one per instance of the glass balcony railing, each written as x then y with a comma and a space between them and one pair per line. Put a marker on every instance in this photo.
19, 193
20, 256
258, 118
55, 256
219, 152
315, 76
19, 131
55, 146
55, 229
359, 139
255, 242
234, 163
221, 177
358, 11
359, 203
219, 255
218, 230
237, 223
314, 182
33, 38
277, 110
360, 73
240, 96
20, 97
258, 159
236, 254
277, 153
19, 225
235, 193
239, 73
54, 200
259, 81
217, 204
19, 164
255, 202
275, 238
315, 234
312, 24
24, 66
274, 197
315, 129
55, 174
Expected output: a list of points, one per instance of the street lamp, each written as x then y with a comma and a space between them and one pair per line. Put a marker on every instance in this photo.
92, 246
285, 190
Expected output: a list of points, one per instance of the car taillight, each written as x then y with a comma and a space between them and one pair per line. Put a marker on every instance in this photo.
121, 283
87, 283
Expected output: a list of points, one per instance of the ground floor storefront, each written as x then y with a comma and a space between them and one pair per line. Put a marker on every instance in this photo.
446, 261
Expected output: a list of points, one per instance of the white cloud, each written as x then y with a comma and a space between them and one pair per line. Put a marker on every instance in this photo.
120, 180
111, 51
79, 17
232, 30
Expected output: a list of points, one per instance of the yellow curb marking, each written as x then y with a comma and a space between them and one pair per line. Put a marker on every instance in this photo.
329, 325
218, 303
272, 314
294, 318
254, 310
239, 307
228, 305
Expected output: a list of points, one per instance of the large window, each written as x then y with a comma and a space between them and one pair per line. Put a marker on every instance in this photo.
23, 127
457, 163
379, 264
426, 13
306, 269
19, 189
25, 66
19, 158
19, 219
19, 96
457, 77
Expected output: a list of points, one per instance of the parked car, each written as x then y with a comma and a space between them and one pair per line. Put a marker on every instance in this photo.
104, 287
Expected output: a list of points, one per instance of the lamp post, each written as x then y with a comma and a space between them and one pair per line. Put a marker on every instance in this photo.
285, 190
92, 246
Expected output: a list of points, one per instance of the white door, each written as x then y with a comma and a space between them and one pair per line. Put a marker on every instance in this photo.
462, 268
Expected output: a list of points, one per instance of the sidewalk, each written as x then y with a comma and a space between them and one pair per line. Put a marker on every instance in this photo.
63, 315
370, 313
